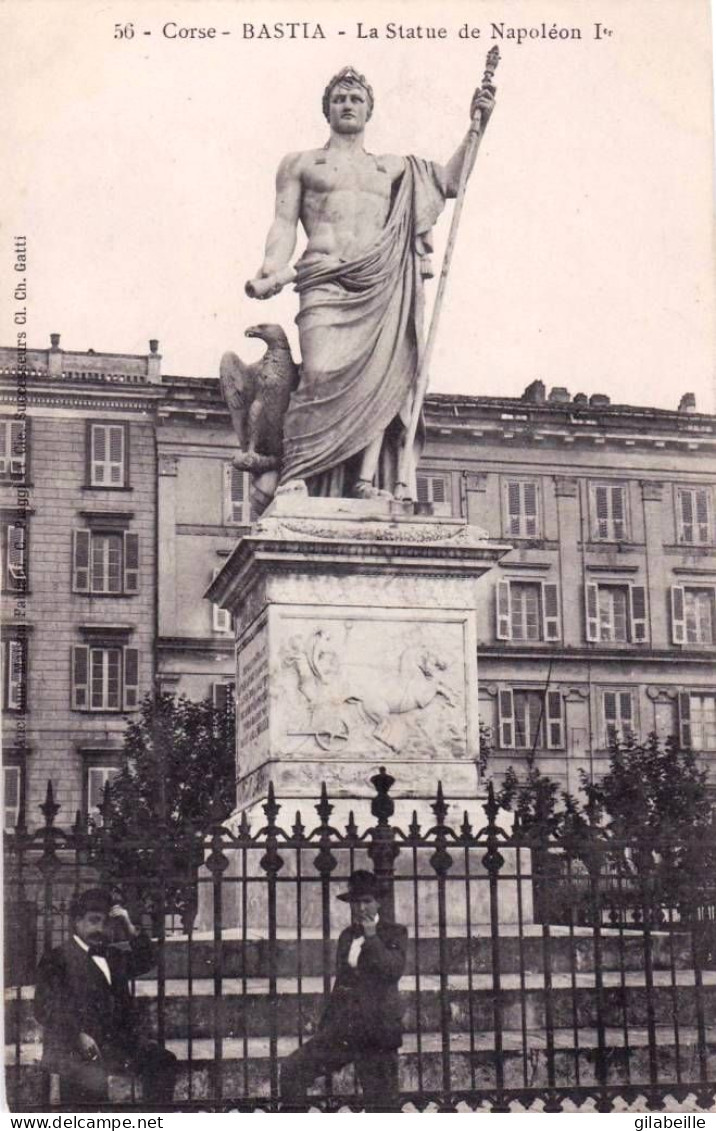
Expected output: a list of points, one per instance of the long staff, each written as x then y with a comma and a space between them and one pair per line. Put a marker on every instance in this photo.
421, 384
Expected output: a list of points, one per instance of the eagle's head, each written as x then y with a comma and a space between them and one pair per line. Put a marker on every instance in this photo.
270, 333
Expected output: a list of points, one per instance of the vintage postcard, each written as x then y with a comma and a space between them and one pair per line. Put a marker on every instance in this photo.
358, 503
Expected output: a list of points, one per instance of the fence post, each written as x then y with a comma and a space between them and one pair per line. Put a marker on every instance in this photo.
493, 861
441, 861
383, 849
217, 863
272, 864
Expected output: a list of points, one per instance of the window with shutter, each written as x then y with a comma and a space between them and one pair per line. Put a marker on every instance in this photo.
525, 610
522, 508
699, 614
617, 716
609, 514
14, 674
98, 777
14, 448
694, 512
700, 712
221, 620
104, 678
108, 455
237, 501
222, 694
14, 541
12, 785
105, 563
434, 489
616, 614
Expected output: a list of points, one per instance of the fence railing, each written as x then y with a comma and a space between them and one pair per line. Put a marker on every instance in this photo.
523, 983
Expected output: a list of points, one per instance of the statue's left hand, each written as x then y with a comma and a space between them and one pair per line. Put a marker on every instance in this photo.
483, 103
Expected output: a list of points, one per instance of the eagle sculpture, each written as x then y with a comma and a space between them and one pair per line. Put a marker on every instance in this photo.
257, 397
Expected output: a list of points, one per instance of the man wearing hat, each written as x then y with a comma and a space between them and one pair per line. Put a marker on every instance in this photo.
83, 1002
362, 1022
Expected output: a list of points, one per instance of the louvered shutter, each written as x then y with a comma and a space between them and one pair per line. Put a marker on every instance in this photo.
98, 440
131, 678
11, 795
625, 710
591, 601
131, 562
555, 723
238, 492
618, 513
678, 614
4, 447
637, 598
503, 607
81, 561
550, 611
601, 501
16, 557
15, 675
422, 489
529, 494
18, 447
222, 694
80, 677
506, 708
513, 508
116, 454
686, 516
611, 724
702, 515
685, 738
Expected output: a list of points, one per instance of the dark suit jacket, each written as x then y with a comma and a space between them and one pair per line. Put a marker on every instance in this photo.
72, 996
364, 1007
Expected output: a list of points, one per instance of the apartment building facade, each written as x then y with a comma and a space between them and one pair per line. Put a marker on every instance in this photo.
601, 619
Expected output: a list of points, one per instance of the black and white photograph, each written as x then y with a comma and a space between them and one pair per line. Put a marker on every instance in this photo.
358, 553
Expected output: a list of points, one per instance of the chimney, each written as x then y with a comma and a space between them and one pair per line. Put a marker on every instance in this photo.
599, 400
154, 361
687, 403
54, 357
534, 393
559, 395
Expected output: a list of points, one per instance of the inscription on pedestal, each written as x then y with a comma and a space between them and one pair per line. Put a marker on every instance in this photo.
253, 697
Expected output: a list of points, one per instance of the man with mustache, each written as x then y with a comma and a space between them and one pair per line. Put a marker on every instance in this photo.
83, 1002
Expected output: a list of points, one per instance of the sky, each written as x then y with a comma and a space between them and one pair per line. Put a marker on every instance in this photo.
142, 172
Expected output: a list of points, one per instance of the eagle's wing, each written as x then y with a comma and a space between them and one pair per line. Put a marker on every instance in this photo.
237, 382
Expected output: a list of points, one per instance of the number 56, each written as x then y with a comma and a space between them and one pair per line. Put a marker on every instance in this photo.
125, 31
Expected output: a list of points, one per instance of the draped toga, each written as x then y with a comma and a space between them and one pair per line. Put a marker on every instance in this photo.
361, 316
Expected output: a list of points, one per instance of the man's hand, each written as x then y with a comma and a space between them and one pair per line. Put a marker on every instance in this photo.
120, 914
483, 103
88, 1047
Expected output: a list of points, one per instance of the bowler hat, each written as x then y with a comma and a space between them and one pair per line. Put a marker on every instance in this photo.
92, 899
360, 884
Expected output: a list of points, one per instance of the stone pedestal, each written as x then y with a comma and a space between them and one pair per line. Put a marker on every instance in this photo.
355, 648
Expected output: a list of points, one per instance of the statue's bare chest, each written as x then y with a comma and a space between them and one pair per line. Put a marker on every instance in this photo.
327, 174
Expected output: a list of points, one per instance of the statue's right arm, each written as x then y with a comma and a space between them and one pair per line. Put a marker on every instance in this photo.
281, 240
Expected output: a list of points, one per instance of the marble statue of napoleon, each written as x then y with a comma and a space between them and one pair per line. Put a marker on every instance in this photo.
368, 220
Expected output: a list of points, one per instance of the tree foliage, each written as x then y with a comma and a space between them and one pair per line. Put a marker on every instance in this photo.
178, 761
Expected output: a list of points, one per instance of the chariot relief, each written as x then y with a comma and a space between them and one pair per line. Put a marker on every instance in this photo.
347, 702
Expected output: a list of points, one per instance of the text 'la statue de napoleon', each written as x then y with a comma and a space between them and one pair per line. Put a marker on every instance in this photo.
346, 428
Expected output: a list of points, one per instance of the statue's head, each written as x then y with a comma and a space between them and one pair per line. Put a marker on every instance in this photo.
348, 79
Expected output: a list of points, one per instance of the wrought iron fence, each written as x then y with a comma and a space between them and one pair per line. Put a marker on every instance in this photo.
522, 983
